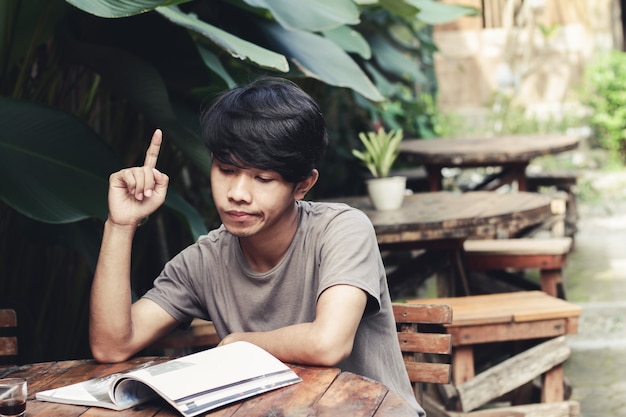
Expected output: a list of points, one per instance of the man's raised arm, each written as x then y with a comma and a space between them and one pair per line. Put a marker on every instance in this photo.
118, 329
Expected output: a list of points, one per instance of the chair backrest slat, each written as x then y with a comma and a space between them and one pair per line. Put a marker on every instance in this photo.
422, 350
8, 323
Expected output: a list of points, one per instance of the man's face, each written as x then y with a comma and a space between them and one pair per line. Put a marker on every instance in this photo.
250, 200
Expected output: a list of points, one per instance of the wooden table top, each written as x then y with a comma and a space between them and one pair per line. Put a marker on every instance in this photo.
513, 307
485, 151
455, 216
323, 392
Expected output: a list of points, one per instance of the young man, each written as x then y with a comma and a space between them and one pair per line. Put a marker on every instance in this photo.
303, 280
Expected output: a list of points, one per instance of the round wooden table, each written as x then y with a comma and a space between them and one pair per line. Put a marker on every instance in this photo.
323, 392
513, 153
431, 219
441, 221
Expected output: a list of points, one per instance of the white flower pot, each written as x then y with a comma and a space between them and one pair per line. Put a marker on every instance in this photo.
386, 193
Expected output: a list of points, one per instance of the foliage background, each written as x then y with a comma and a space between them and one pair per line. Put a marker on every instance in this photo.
83, 83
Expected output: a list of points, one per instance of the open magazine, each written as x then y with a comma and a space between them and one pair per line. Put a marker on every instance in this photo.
192, 384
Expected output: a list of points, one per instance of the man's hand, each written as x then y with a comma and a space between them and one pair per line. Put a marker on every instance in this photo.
135, 193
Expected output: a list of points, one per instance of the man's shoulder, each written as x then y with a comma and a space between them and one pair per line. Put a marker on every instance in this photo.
327, 208
321, 212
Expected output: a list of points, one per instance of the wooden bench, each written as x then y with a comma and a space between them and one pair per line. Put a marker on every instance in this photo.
8, 336
529, 328
547, 255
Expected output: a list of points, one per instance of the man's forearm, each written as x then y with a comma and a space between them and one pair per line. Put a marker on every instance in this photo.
300, 343
110, 304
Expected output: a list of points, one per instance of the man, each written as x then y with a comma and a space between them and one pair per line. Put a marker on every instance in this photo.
303, 280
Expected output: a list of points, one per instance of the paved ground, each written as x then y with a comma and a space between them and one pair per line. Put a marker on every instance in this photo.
596, 279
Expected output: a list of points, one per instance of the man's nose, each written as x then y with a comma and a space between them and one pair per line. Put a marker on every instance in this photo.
239, 189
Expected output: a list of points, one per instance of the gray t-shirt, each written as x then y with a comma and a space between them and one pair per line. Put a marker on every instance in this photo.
334, 244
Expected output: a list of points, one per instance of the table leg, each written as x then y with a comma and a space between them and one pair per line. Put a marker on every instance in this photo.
435, 180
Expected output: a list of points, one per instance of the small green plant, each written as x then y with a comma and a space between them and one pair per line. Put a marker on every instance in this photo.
381, 150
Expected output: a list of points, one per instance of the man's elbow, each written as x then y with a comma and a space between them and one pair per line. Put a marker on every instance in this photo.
330, 353
106, 354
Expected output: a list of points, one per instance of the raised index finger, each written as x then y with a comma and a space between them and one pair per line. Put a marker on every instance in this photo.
152, 154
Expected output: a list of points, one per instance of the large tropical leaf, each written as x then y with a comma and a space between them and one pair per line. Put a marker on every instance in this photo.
120, 8
350, 40
427, 11
212, 61
310, 15
142, 85
394, 61
320, 58
236, 47
55, 169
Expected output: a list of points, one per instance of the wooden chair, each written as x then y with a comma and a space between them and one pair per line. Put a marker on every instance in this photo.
8, 338
422, 350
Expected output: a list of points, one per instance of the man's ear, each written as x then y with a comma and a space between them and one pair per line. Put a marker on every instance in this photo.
306, 184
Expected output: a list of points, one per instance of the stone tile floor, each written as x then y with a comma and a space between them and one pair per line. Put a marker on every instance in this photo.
596, 279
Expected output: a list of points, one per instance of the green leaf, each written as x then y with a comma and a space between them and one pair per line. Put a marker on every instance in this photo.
401, 8
381, 150
236, 47
120, 8
310, 15
320, 58
56, 169
350, 40
188, 213
212, 61
139, 82
392, 60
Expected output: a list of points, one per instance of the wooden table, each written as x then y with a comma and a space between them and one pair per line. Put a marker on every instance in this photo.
512, 153
427, 218
323, 392
444, 220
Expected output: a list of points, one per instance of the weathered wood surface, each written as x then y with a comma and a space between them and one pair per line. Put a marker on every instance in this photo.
485, 151
323, 392
517, 307
434, 216
416, 346
8, 341
555, 409
512, 373
548, 246
511, 153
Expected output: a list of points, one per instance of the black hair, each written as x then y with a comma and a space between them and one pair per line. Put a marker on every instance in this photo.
269, 124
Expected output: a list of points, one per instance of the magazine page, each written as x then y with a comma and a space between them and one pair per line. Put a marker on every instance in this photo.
214, 377
97, 393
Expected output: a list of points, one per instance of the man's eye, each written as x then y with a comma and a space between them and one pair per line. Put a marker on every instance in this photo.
225, 170
264, 179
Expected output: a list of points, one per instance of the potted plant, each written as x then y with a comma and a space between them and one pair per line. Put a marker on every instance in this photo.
380, 153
